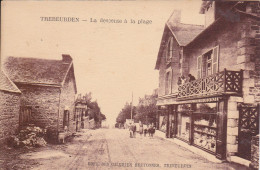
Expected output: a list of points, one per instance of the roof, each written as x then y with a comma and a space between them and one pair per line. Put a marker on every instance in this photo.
6, 84
218, 23
183, 33
38, 71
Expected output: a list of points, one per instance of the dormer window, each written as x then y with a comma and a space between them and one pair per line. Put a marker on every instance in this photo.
169, 52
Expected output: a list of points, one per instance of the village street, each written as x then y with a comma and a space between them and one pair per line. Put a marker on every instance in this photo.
113, 149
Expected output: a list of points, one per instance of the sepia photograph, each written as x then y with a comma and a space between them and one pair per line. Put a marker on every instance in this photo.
127, 84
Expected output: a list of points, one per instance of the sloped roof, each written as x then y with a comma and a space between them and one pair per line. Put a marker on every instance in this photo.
184, 33
6, 84
36, 71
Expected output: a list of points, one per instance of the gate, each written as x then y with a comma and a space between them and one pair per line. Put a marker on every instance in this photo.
248, 127
25, 115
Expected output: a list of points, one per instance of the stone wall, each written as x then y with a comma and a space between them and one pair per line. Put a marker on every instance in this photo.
249, 59
232, 125
226, 35
9, 114
174, 68
239, 48
44, 101
67, 99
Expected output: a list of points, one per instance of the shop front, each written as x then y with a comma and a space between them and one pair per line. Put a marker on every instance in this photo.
201, 123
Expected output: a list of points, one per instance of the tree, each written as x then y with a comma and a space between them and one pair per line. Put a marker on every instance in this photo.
125, 113
94, 111
146, 109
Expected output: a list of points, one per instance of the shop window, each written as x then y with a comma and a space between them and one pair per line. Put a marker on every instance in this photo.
205, 126
207, 63
183, 119
162, 121
183, 125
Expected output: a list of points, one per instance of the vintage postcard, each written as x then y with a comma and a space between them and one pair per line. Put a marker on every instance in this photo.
130, 85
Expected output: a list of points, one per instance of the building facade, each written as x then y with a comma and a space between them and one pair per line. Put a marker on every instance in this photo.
81, 113
209, 79
9, 107
48, 89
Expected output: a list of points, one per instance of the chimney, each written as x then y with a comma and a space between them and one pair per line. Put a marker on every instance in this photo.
66, 58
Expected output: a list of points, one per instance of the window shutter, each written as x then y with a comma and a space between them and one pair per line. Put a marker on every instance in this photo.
215, 60
199, 65
171, 47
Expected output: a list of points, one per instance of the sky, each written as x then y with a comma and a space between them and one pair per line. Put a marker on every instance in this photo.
111, 60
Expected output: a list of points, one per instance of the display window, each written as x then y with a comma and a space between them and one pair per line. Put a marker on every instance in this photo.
162, 122
183, 128
205, 126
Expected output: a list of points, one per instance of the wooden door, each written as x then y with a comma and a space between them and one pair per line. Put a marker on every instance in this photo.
25, 116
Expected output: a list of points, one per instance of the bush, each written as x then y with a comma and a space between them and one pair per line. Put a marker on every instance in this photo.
28, 136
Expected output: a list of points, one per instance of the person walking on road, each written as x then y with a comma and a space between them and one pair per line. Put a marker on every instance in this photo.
152, 130
145, 130
134, 130
131, 130
141, 129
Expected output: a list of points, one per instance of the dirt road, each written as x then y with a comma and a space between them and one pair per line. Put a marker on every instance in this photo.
113, 149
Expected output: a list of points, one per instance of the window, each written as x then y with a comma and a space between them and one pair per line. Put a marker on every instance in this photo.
169, 53
168, 83
207, 63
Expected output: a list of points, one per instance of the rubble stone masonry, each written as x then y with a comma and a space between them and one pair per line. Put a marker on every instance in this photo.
44, 101
9, 114
67, 99
248, 59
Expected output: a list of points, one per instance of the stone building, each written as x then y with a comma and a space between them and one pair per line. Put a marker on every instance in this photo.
81, 113
215, 108
48, 91
9, 107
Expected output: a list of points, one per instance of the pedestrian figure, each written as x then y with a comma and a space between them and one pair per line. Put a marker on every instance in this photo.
152, 130
179, 81
131, 130
141, 129
183, 79
145, 130
134, 130
191, 77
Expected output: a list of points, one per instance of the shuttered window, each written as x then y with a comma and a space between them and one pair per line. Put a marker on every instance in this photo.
215, 60
168, 83
199, 65
169, 54
207, 64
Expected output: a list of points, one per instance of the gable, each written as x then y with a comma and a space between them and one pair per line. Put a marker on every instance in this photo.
6, 84
70, 77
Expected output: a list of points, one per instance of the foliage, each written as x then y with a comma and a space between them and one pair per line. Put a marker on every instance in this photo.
145, 111
125, 113
94, 110
28, 136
